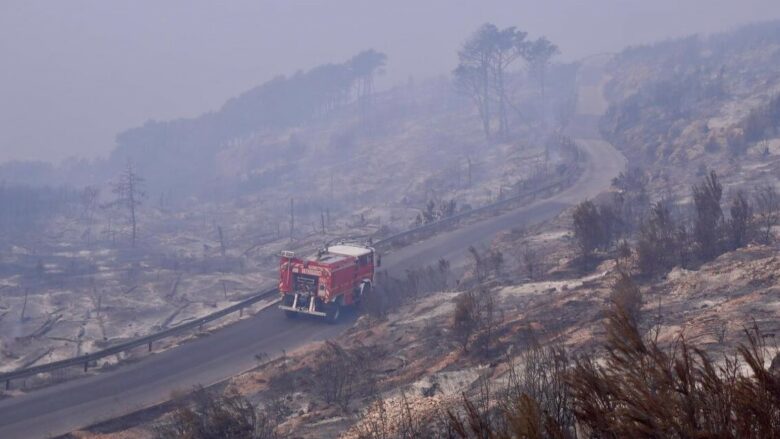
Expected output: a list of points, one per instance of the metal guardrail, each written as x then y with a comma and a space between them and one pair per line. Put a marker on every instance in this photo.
454, 219
86, 359
121, 347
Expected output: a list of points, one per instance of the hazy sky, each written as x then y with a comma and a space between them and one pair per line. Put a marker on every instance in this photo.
74, 73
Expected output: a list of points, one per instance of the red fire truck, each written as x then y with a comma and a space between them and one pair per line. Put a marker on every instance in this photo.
336, 276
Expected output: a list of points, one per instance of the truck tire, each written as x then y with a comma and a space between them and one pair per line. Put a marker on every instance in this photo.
361, 293
288, 300
333, 311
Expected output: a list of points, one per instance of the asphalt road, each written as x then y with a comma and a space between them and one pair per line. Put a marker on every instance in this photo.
78, 403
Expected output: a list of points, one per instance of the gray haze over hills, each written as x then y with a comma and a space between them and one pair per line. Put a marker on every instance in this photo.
76, 73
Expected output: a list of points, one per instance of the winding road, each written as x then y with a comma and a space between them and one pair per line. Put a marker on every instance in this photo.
66, 407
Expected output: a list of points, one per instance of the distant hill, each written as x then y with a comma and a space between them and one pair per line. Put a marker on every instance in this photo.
698, 102
178, 156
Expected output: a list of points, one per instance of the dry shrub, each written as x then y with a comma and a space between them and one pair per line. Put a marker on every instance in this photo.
487, 263
465, 319
767, 202
539, 381
595, 228
391, 292
740, 224
530, 261
535, 403
642, 390
205, 415
626, 296
402, 419
709, 216
475, 320
639, 390
657, 244
342, 374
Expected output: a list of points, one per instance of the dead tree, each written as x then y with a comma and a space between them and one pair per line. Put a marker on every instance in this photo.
468, 159
472, 76
767, 204
97, 301
709, 216
488, 319
129, 195
292, 218
222, 248
538, 54
89, 203
479, 268
530, 261
739, 225
365, 66
24, 304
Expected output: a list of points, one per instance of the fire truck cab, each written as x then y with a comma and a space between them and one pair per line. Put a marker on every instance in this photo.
336, 276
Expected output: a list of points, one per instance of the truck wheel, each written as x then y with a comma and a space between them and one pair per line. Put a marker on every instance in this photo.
361, 293
288, 301
333, 311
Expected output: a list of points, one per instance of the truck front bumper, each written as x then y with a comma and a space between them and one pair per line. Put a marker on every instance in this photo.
303, 305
